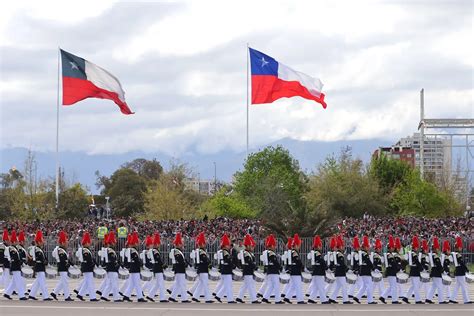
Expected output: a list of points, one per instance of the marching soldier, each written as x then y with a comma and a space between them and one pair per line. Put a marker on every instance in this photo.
446, 261
146, 260
158, 267
179, 267
105, 284
111, 266
21, 247
40, 263
354, 288
286, 260
339, 266
379, 286
87, 269
435, 274
202, 263
273, 268
417, 264
296, 267
365, 273
17, 282
5, 259
460, 274
247, 261
226, 271
391, 269
319, 267
135, 268
61, 257
124, 262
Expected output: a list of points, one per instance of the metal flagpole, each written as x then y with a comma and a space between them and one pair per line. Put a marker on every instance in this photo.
247, 52
57, 135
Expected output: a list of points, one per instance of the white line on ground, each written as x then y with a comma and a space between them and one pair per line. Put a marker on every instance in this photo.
284, 310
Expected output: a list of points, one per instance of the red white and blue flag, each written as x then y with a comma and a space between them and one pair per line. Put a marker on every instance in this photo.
272, 80
82, 79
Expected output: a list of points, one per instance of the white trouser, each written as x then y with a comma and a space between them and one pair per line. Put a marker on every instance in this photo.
63, 284
134, 285
354, 288
286, 290
273, 287
158, 285
460, 284
392, 288
39, 284
311, 287
195, 285
447, 291
318, 288
16, 283
80, 285
202, 287
263, 287
226, 288
340, 284
5, 279
219, 285
437, 285
379, 287
414, 288
367, 286
179, 287
125, 285
88, 286
248, 286
297, 287
147, 285
103, 284
112, 286
328, 288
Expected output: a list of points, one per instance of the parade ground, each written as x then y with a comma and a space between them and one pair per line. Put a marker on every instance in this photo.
18, 308
78, 308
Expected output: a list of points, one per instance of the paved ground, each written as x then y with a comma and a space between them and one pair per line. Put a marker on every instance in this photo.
17, 308
76, 308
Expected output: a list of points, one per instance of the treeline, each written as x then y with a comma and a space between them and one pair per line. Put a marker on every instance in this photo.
271, 186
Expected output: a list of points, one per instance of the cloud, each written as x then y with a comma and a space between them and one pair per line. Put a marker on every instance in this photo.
182, 66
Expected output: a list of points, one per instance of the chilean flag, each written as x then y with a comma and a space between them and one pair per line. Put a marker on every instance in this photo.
82, 79
271, 80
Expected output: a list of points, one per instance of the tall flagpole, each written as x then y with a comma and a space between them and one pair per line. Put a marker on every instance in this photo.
57, 135
247, 52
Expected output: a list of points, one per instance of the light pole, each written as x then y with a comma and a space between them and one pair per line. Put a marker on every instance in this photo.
215, 177
107, 207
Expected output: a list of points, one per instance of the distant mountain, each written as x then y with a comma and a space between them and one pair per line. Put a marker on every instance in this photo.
82, 166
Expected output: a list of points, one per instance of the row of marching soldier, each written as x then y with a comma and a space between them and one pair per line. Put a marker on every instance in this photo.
350, 275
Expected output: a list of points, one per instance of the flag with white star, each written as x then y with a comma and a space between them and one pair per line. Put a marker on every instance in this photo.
83, 79
272, 80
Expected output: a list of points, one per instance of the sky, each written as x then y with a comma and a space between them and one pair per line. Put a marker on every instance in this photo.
183, 68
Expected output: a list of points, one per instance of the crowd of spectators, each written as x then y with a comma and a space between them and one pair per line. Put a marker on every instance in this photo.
374, 227
406, 227
212, 228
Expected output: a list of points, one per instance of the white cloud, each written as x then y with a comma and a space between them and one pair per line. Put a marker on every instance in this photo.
183, 69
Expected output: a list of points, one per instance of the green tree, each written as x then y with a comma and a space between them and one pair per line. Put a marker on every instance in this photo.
126, 190
73, 202
149, 169
389, 172
341, 186
164, 200
417, 197
273, 185
226, 204
267, 170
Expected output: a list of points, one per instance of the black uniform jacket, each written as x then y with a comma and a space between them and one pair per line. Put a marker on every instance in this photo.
320, 266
